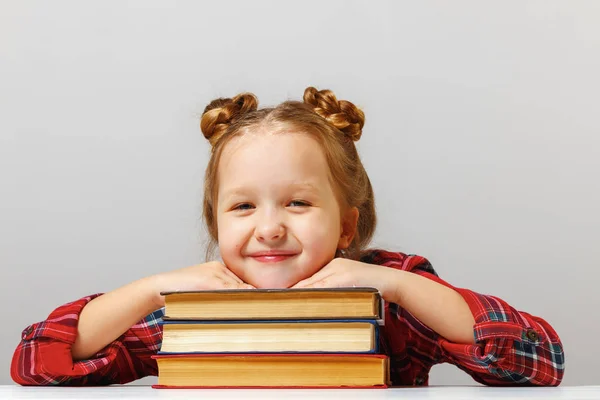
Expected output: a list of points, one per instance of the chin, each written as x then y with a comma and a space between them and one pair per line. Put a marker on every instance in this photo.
273, 283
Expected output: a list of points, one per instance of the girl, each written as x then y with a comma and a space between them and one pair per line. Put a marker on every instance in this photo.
290, 205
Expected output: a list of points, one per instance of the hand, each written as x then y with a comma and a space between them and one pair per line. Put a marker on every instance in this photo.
210, 276
341, 272
438, 306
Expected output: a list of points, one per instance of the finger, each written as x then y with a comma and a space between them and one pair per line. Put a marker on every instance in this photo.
311, 280
230, 274
227, 283
302, 284
323, 283
306, 282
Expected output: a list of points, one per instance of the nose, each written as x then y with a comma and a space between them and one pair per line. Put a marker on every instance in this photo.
270, 228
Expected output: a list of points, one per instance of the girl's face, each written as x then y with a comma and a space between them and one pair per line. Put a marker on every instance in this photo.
278, 218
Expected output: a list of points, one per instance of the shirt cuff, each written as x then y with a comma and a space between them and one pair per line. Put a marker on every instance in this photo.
53, 339
494, 319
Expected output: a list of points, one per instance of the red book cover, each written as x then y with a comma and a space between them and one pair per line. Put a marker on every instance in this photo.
269, 387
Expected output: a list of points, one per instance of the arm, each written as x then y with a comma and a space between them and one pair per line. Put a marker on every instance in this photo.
96, 340
43, 357
508, 347
511, 347
107, 317
480, 334
439, 307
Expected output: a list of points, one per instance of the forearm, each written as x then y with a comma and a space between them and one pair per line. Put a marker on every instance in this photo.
107, 317
439, 307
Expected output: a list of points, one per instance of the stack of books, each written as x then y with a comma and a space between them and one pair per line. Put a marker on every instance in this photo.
272, 338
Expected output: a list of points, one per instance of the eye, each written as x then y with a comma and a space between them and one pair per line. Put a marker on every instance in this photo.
243, 207
299, 203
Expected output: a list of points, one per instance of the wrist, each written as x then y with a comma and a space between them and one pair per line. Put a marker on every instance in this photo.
393, 288
150, 289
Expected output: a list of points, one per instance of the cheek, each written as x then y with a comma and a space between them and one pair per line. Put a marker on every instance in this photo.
231, 234
321, 234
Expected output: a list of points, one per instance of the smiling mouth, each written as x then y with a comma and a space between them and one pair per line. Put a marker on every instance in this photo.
273, 258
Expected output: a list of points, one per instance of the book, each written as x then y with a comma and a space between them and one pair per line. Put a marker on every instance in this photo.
270, 336
291, 304
272, 370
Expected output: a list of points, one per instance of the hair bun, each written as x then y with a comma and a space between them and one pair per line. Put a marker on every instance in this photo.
342, 114
222, 112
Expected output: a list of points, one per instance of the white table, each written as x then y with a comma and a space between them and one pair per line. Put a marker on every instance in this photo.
434, 392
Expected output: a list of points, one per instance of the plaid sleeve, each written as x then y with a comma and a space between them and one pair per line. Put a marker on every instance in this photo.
511, 347
43, 357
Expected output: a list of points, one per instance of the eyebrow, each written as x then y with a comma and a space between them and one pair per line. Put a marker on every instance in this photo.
243, 190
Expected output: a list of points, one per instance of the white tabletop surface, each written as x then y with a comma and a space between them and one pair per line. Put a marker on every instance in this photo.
435, 392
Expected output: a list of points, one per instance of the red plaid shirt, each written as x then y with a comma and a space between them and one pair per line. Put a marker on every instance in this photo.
512, 347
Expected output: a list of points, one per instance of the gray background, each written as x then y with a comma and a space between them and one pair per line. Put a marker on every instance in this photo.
481, 141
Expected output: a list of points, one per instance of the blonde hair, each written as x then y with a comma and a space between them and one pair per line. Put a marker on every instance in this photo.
335, 124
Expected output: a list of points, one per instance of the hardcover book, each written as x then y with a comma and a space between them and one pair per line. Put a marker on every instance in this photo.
293, 304
270, 336
272, 370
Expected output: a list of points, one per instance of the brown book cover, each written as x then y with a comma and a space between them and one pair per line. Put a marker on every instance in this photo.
272, 370
292, 304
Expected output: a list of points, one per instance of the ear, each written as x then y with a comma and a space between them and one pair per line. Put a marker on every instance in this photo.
349, 224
